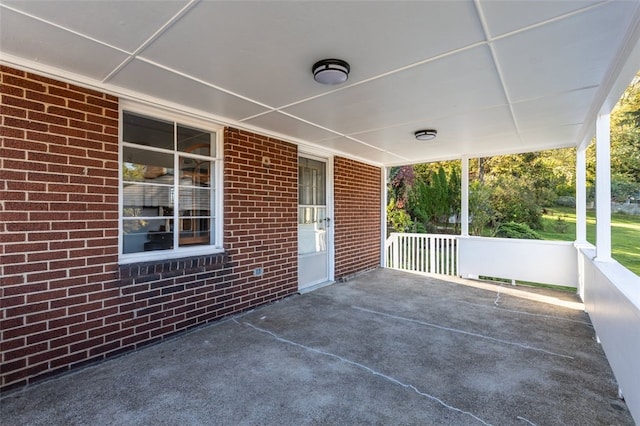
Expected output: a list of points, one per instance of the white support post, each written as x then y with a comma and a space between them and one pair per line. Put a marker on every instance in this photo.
603, 189
464, 208
383, 217
581, 195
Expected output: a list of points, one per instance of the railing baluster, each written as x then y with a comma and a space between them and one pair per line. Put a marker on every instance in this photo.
447, 255
424, 253
450, 255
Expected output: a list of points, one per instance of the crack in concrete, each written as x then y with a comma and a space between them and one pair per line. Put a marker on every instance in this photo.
497, 301
526, 420
526, 313
468, 333
368, 369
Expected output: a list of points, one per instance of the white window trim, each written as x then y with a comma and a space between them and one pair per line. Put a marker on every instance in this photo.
179, 252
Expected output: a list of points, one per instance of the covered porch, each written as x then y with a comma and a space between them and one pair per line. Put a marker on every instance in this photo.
387, 347
491, 77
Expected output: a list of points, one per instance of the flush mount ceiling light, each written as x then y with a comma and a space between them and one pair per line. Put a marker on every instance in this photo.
426, 135
331, 71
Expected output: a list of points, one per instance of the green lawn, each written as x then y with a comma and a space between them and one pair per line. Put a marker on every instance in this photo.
560, 224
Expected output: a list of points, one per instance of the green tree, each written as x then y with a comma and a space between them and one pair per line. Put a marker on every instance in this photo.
514, 200
435, 197
481, 212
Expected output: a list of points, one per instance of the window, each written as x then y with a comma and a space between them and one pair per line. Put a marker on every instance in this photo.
170, 188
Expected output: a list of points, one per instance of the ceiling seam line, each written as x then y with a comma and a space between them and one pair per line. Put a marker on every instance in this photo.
340, 134
548, 21
65, 29
556, 94
200, 81
494, 58
386, 74
436, 117
151, 39
602, 93
260, 114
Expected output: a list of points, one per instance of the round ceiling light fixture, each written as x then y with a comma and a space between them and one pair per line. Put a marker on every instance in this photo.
426, 135
331, 71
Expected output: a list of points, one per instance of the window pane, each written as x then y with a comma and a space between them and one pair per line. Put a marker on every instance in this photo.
147, 235
141, 165
195, 172
140, 200
195, 230
168, 179
195, 200
196, 141
147, 131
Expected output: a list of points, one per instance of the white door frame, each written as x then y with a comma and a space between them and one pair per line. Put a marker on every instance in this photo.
328, 160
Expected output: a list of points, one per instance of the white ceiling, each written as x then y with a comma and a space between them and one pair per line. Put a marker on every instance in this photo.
491, 76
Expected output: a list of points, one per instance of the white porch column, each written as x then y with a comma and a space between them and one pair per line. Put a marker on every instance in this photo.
383, 214
603, 189
464, 208
581, 194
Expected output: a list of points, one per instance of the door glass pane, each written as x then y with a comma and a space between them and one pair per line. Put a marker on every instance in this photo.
311, 189
312, 211
312, 230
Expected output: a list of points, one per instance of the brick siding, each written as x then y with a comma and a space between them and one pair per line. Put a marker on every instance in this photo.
65, 300
357, 215
261, 216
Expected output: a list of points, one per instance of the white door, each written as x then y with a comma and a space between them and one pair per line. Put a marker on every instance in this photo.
314, 242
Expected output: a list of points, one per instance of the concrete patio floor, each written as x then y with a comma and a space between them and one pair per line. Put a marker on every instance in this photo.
384, 348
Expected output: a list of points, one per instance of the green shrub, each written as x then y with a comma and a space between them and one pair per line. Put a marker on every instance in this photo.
517, 230
514, 200
398, 220
560, 225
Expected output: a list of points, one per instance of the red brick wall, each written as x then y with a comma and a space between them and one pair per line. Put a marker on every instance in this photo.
65, 300
357, 214
261, 215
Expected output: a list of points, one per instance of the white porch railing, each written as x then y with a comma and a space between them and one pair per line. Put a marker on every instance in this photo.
538, 261
611, 294
426, 253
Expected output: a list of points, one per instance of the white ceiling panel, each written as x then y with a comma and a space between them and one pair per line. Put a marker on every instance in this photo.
551, 137
350, 147
141, 76
486, 146
506, 16
563, 55
123, 24
455, 84
566, 108
282, 123
265, 50
455, 129
492, 76
55, 47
